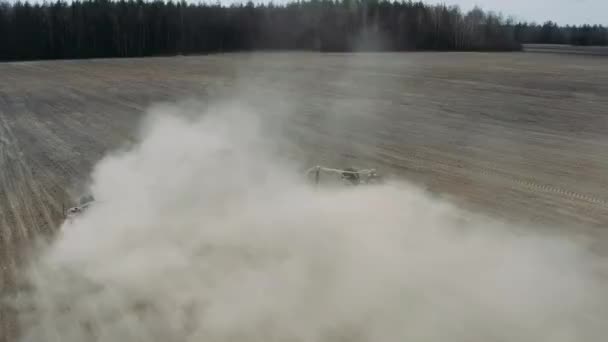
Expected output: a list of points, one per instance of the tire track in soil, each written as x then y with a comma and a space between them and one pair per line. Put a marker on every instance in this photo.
536, 186
12, 178
35, 211
51, 172
417, 162
10, 238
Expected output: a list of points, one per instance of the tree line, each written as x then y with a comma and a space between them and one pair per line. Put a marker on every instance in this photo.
104, 28
551, 33
127, 28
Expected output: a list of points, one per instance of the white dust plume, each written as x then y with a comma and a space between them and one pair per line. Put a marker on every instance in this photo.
201, 233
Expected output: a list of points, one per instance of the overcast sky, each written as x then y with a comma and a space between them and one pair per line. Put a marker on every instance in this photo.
562, 11
572, 12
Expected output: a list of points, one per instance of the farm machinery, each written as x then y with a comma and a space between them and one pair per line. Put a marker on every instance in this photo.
85, 203
348, 176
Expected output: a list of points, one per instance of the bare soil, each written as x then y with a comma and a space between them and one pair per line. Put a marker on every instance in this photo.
520, 136
567, 49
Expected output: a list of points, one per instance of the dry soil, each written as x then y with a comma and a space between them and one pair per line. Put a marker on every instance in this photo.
521, 136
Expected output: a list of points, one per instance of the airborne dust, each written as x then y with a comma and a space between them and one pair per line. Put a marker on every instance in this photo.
204, 232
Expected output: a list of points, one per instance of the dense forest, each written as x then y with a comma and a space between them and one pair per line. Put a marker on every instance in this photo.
104, 28
551, 33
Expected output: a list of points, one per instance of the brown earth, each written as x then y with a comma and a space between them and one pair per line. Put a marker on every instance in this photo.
520, 136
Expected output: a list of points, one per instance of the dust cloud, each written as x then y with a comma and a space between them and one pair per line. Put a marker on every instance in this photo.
204, 232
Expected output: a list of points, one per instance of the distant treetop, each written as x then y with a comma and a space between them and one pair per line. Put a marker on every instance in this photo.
104, 28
